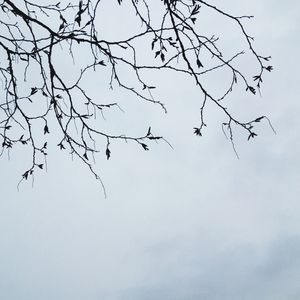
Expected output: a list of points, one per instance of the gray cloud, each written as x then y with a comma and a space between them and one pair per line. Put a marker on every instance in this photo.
240, 273
189, 223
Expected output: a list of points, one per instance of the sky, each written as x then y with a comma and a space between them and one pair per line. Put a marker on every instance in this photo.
192, 222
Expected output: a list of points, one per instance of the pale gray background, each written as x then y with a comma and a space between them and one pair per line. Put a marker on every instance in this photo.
189, 223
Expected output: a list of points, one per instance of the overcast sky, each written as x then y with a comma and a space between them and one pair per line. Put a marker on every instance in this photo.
189, 223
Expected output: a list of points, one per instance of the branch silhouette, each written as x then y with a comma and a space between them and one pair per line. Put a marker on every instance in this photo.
31, 33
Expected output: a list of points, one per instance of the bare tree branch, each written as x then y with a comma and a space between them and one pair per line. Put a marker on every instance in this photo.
31, 33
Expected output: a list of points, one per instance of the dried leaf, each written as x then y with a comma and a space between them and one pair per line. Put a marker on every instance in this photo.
46, 129
107, 152
145, 146
197, 131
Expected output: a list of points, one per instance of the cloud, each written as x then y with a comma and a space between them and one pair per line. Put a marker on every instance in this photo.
184, 224
244, 272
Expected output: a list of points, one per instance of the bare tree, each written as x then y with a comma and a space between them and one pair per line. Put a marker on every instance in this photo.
33, 31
